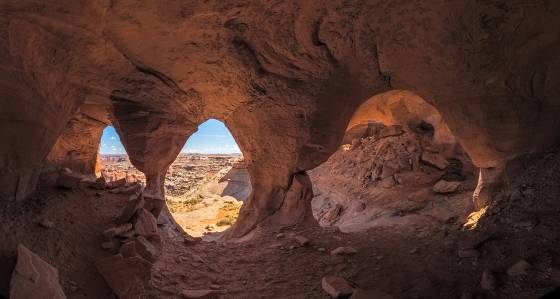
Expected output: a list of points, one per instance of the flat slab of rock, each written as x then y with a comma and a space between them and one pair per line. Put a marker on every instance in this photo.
344, 250
145, 223
146, 249
434, 159
200, 294
133, 204
336, 286
445, 187
34, 278
142, 247
128, 277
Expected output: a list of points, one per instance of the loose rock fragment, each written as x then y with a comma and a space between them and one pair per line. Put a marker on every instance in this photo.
145, 224
146, 249
344, 250
34, 278
445, 187
336, 286
134, 203
519, 268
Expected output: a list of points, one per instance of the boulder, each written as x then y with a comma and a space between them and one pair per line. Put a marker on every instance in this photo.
445, 187
68, 180
200, 294
146, 249
34, 278
145, 223
434, 159
344, 250
134, 203
395, 130
128, 277
140, 246
336, 286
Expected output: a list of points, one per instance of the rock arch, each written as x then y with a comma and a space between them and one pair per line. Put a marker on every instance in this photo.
286, 79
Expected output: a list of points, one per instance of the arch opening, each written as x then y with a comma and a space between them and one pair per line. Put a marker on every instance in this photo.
114, 162
398, 163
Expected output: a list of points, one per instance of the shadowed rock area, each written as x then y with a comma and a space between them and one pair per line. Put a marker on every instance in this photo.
419, 136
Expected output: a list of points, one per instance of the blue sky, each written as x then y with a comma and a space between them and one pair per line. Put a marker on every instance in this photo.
212, 137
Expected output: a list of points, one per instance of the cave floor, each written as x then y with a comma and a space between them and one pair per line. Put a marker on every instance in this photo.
412, 261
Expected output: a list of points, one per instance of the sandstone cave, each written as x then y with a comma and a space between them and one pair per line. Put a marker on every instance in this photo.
385, 149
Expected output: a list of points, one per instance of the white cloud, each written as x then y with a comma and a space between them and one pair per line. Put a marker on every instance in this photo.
113, 138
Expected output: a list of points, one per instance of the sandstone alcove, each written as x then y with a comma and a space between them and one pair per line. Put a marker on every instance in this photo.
398, 164
332, 104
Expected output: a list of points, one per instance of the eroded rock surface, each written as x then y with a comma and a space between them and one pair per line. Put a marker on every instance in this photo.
285, 78
34, 278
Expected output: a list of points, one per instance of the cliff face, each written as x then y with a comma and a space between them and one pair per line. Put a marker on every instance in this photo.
285, 77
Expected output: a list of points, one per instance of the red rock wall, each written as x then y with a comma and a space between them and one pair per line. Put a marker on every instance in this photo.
285, 77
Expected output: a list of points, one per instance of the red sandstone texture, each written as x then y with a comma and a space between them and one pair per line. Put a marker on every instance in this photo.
291, 80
